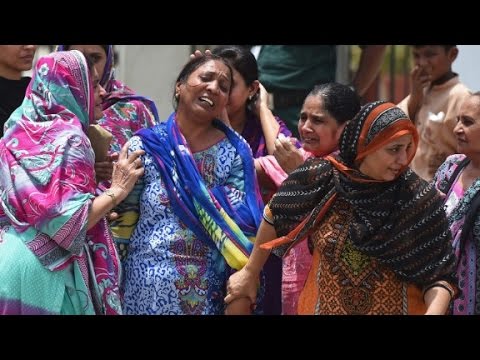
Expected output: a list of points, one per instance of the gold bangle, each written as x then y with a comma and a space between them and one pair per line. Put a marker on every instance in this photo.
109, 192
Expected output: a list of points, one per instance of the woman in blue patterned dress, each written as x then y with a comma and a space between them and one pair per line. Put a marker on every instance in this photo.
200, 205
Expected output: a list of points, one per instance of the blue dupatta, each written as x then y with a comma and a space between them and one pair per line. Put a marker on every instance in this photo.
207, 212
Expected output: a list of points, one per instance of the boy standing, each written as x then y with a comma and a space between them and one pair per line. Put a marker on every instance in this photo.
436, 95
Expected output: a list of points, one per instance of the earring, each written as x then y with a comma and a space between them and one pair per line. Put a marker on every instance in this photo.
177, 95
250, 97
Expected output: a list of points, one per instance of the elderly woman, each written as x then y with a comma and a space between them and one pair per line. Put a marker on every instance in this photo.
56, 252
459, 179
200, 201
379, 234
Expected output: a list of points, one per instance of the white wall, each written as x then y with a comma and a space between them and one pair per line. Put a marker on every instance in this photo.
467, 66
151, 70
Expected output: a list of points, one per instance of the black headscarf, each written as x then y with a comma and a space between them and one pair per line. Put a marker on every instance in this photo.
401, 223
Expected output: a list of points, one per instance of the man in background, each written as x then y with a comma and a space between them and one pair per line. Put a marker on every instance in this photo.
289, 72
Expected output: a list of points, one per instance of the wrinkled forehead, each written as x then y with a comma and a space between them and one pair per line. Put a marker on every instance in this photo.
214, 66
471, 104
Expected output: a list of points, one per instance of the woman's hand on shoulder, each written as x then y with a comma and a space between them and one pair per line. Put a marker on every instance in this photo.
104, 169
127, 170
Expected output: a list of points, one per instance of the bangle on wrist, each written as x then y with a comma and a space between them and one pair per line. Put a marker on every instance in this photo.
443, 284
109, 192
268, 216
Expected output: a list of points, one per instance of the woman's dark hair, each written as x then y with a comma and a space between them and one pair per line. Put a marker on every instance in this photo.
241, 60
193, 65
340, 101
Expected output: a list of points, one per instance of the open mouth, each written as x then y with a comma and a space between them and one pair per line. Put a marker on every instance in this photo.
207, 100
